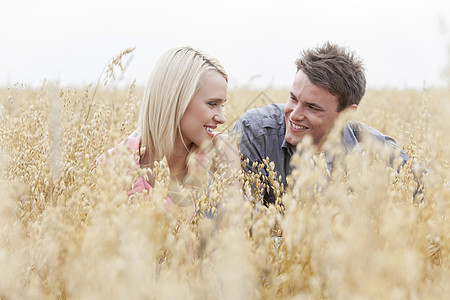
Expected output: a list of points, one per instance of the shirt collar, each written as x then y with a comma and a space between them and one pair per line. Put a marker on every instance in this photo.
289, 148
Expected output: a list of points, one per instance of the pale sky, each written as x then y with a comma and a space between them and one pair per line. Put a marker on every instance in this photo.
403, 43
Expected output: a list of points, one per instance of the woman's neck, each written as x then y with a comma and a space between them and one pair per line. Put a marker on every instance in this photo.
177, 161
177, 165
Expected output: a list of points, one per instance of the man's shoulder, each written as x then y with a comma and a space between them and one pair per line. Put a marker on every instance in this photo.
359, 129
356, 132
269, 116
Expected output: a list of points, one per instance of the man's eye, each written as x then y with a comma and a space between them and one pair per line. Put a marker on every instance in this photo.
313, 108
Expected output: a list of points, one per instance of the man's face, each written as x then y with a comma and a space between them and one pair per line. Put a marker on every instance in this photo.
310, 110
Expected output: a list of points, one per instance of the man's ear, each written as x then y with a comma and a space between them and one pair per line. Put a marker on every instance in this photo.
351, 108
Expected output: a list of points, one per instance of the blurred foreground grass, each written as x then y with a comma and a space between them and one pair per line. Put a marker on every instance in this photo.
69, 232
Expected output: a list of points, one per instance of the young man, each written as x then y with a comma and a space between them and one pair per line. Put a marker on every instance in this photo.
329, 80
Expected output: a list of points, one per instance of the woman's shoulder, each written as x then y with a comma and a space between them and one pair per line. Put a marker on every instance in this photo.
132, 142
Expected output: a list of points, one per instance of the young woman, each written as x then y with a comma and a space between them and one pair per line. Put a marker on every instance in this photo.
181, 109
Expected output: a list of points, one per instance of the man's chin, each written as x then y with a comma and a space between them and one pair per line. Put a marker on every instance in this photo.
293, 140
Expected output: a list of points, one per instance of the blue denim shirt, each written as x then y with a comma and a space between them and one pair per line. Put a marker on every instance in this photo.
261, 134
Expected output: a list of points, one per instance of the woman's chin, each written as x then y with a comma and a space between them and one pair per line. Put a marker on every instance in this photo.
204, 143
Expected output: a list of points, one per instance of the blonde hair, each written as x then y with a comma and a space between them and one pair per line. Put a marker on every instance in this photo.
171, 86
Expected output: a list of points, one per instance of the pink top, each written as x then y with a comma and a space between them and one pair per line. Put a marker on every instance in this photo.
133, 142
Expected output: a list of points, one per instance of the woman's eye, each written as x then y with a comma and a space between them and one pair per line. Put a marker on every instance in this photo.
212, 103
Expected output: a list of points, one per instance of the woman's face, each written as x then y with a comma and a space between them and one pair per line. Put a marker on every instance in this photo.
205, 111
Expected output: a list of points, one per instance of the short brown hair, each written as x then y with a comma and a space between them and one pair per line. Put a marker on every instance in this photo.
337, 70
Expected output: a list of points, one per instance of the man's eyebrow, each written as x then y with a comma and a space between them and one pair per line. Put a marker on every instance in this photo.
306, 102
314, 104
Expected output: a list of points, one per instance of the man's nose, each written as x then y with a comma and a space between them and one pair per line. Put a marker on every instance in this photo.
298, 112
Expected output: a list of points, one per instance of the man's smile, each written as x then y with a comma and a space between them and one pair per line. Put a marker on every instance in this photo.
296, 127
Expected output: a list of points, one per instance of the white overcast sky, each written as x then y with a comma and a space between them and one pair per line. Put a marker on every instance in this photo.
404, 43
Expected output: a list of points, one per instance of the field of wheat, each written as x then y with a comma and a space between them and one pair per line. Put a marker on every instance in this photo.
70, 231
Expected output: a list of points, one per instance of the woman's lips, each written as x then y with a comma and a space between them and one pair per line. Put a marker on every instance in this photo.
209, 130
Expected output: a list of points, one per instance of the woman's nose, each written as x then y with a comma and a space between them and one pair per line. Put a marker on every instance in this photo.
219, 117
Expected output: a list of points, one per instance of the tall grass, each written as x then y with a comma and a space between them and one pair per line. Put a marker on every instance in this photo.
67, 231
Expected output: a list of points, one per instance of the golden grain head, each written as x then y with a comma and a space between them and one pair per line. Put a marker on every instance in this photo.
69, 230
